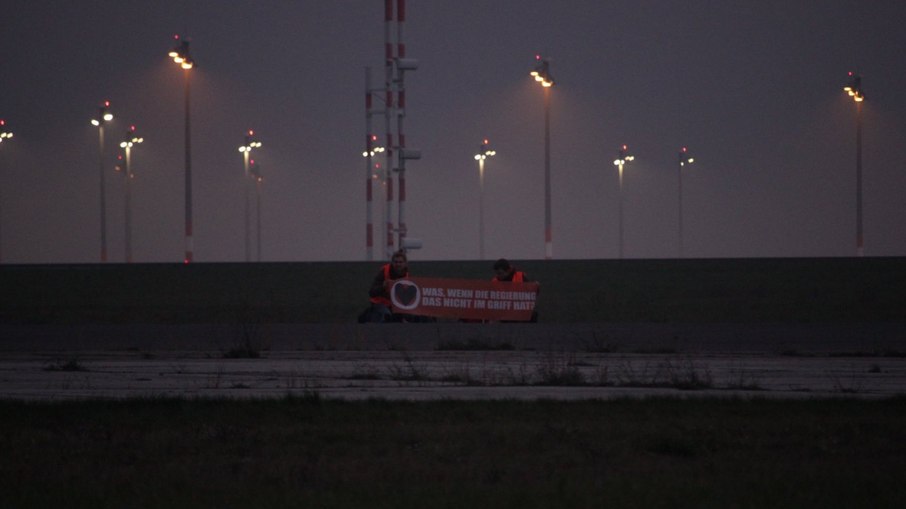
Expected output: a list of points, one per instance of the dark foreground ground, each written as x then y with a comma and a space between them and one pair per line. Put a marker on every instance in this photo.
310, 452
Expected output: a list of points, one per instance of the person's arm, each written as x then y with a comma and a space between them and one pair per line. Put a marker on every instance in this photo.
527, 279
377, 286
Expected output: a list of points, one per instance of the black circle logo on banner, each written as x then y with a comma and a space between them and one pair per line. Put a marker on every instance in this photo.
405, 294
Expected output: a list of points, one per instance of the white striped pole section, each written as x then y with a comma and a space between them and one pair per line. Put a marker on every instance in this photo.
369, 227
388, 112
401, 104
388, 227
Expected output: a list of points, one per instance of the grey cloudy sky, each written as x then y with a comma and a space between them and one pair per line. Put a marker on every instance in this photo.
754, 89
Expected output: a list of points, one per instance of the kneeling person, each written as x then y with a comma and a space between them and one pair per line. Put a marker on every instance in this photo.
505, 272
379, 292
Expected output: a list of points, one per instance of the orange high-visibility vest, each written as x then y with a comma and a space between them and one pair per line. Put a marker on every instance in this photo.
384, 300
518, 277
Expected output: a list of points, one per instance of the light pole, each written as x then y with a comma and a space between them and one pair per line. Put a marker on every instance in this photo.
103, 117
542, 75
623, 158
5, 134
131, 139
246, 150
854, 89
483, 153
370, 165
404, 154
259, 178
180, 55
683, 158
380, 178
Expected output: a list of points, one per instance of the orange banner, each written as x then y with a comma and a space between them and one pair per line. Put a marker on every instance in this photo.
470, 299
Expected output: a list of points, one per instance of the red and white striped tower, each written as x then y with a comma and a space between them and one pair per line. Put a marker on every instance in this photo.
401, 112
388, 112
388, 225
369, 151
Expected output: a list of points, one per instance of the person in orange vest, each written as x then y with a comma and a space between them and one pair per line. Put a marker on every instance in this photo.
504, 271
379, 293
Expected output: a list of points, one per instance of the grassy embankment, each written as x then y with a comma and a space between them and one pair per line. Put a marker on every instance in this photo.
710, 290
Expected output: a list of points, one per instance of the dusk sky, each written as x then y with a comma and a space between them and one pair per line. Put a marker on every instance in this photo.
753, 89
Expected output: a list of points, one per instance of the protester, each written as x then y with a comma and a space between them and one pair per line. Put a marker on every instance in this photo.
506, 272
381, 309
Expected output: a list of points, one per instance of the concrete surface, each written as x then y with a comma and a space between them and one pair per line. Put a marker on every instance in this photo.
454, 361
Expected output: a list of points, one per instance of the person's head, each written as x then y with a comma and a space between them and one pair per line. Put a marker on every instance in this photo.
399, 261
502, 267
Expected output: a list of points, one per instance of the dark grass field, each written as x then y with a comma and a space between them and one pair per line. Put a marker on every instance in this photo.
311, 452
